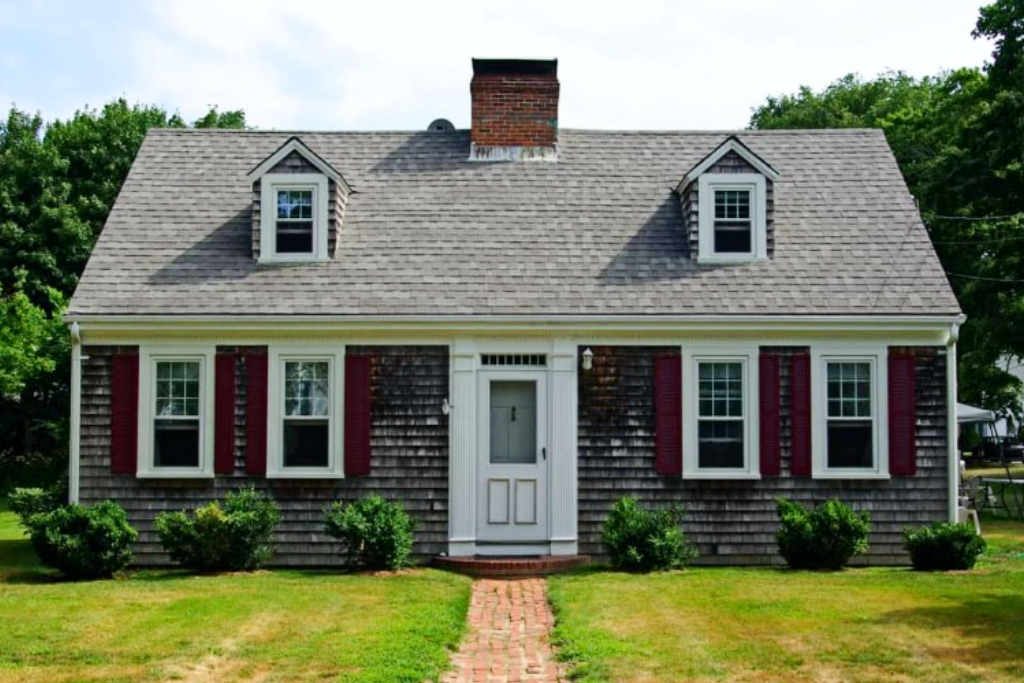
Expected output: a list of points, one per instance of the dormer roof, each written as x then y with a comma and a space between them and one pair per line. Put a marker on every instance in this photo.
295, 145
731, 144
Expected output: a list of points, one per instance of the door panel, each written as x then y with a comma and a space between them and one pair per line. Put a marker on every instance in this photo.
512, 457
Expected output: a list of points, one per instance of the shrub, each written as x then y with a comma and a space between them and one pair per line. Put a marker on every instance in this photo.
943, 546
374, 533
83, 542
26, 503
644, 540
236, 537
823, 538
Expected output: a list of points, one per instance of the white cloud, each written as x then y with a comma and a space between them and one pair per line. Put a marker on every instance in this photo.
386, 65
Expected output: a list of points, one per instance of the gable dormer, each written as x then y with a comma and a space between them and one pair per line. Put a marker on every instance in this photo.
298, 204
728, 205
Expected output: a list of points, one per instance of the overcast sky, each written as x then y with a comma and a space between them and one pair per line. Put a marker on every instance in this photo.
378, 64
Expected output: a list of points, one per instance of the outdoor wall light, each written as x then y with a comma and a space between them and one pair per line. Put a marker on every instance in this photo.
588, 359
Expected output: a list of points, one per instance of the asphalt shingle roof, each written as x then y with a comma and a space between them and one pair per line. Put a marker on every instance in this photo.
599, 232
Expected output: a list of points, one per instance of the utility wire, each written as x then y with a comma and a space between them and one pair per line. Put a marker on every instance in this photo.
975, 218
980, 278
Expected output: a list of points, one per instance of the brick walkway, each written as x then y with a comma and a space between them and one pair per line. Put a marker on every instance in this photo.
509, 635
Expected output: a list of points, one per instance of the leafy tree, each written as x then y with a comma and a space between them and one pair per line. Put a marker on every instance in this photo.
959, 140
58, 182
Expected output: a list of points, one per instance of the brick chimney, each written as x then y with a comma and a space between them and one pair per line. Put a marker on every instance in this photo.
515, 109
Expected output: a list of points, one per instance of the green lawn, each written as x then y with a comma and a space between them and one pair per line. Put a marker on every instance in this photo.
263, 627
772, 625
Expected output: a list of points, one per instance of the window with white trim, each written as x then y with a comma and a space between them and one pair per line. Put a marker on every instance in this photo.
293, 217
850, 439
719, 423
732, 217
304, 417
175, 413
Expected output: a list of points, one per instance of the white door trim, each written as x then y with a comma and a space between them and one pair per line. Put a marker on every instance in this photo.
463, 441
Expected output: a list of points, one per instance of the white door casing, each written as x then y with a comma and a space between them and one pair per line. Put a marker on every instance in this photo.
512, 456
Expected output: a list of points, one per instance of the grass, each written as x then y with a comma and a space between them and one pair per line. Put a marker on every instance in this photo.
774, 625
267, 626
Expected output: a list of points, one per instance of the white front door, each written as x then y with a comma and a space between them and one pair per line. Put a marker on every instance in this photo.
513, 457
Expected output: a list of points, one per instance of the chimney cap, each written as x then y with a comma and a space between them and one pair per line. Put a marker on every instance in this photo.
517, 67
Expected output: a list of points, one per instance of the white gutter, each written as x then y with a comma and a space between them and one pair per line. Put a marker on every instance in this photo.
953, 454
75, 446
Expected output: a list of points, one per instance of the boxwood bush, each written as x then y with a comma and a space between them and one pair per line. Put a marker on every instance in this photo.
235, 537
83, 542
943, 546
826, 537
646, 540
374, 533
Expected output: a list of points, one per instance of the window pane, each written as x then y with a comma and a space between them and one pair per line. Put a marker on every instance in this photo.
732, 239
177, 388
734, 204
720, 444
306, 443
176, 443
307, 388
295, 238
850, 444
720, 386
295, 204
513, 422
849, 389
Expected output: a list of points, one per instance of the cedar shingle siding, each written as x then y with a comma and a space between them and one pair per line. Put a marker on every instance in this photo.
734, 522
409, 442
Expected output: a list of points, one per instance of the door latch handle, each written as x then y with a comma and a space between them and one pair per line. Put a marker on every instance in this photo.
544, 452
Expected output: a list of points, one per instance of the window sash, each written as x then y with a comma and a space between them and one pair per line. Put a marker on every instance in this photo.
178, 388
722, 385
302, 226
850, 404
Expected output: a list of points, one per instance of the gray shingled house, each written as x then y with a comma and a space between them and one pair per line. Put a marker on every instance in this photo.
508, 328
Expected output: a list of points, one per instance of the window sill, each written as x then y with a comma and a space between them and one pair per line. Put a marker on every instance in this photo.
304, 474
290, 260
730, 260
877, 476
719, 475
173, 474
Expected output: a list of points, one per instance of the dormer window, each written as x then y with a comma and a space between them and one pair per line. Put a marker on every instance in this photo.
298, 205
727, 205
294, 217
732, 223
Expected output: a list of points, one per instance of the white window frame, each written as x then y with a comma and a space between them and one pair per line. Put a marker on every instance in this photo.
270, 184
723, 352
278, 356
756, 185
149, 356
877, 357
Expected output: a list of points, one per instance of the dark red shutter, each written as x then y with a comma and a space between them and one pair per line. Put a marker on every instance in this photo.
256, 414
124, 414
668, 415
770, 414
224, 415
357, 415
800, 410
902, 416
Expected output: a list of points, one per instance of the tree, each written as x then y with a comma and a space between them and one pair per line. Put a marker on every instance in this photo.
959, 140
58, 182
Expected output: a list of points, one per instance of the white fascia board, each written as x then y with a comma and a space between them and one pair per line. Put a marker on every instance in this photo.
730, 145
583, 324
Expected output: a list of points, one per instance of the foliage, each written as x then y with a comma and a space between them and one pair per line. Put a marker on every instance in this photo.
375, 533
157, 624
236, 537
83, 542
957, 138
823, 538
58, 182
27, 503
646, 540
943, 546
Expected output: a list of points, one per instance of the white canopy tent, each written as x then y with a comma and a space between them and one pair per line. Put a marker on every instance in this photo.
966, 414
